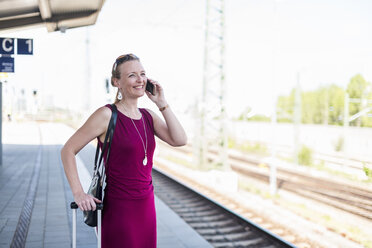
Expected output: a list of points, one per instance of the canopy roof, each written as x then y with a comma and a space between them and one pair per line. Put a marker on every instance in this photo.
54, 14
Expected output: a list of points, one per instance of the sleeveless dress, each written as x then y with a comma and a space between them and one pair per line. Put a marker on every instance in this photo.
128, 216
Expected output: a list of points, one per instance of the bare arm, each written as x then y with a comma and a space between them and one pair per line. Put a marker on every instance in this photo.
170, 131
95, 126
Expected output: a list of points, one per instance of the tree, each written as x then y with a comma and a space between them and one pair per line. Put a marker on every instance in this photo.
285, 107
358, 88
322, 106
325, 105
336, 105
315, 106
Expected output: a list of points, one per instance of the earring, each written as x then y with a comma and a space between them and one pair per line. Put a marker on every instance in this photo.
119, 95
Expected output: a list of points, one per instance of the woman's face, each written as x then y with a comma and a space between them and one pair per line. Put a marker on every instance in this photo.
132, 79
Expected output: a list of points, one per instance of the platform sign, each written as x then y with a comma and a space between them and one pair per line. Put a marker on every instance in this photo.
25, 46
6, 45
6, 64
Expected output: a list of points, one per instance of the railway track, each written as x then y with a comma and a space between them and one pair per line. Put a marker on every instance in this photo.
355, 200
220, 226
338, 198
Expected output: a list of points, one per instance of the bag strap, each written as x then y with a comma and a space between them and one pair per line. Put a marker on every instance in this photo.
108, 140
96, 159
111, 129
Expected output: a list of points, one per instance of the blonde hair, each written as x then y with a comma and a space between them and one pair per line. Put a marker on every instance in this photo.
115, 73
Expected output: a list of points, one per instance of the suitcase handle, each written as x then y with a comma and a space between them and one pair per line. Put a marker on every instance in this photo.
73, 205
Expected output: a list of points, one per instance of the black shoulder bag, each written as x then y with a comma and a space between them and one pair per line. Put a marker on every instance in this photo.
96, 186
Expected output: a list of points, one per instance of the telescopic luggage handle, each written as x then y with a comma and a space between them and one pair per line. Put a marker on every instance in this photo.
74, 207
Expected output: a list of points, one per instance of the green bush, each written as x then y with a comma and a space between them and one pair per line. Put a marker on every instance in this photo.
368, 171
305, 156
253, 147
231, 143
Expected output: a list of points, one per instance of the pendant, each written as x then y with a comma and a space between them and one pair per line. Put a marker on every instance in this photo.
145, 161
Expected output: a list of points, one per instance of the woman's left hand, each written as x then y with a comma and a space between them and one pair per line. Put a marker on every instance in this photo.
158, 98
170, 131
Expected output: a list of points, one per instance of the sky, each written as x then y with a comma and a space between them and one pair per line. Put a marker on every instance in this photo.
269, 45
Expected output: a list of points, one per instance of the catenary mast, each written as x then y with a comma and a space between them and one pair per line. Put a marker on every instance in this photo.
213, 117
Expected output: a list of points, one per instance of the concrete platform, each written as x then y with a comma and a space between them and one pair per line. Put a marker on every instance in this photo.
35, 196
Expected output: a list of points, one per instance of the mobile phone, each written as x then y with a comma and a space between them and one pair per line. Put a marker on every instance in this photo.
150, 87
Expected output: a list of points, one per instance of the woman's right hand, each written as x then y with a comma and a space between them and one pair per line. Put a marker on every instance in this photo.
86, 202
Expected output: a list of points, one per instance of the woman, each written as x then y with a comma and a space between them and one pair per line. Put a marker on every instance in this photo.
128, 218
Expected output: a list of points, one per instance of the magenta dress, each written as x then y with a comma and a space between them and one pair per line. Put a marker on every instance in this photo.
129, 218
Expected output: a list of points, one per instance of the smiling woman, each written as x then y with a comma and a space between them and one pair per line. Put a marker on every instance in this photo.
128, 218
131, 73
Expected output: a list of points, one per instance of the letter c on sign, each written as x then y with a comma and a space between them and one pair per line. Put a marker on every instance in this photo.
10, 47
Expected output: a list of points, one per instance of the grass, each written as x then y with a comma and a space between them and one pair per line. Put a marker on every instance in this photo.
248, 146
320, 166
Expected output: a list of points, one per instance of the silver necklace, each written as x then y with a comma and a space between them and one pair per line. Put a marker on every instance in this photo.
144, 162
143, 143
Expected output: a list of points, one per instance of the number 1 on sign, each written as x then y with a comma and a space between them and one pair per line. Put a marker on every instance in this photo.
29, 43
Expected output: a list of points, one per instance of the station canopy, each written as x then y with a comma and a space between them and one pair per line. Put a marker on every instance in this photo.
56, 15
